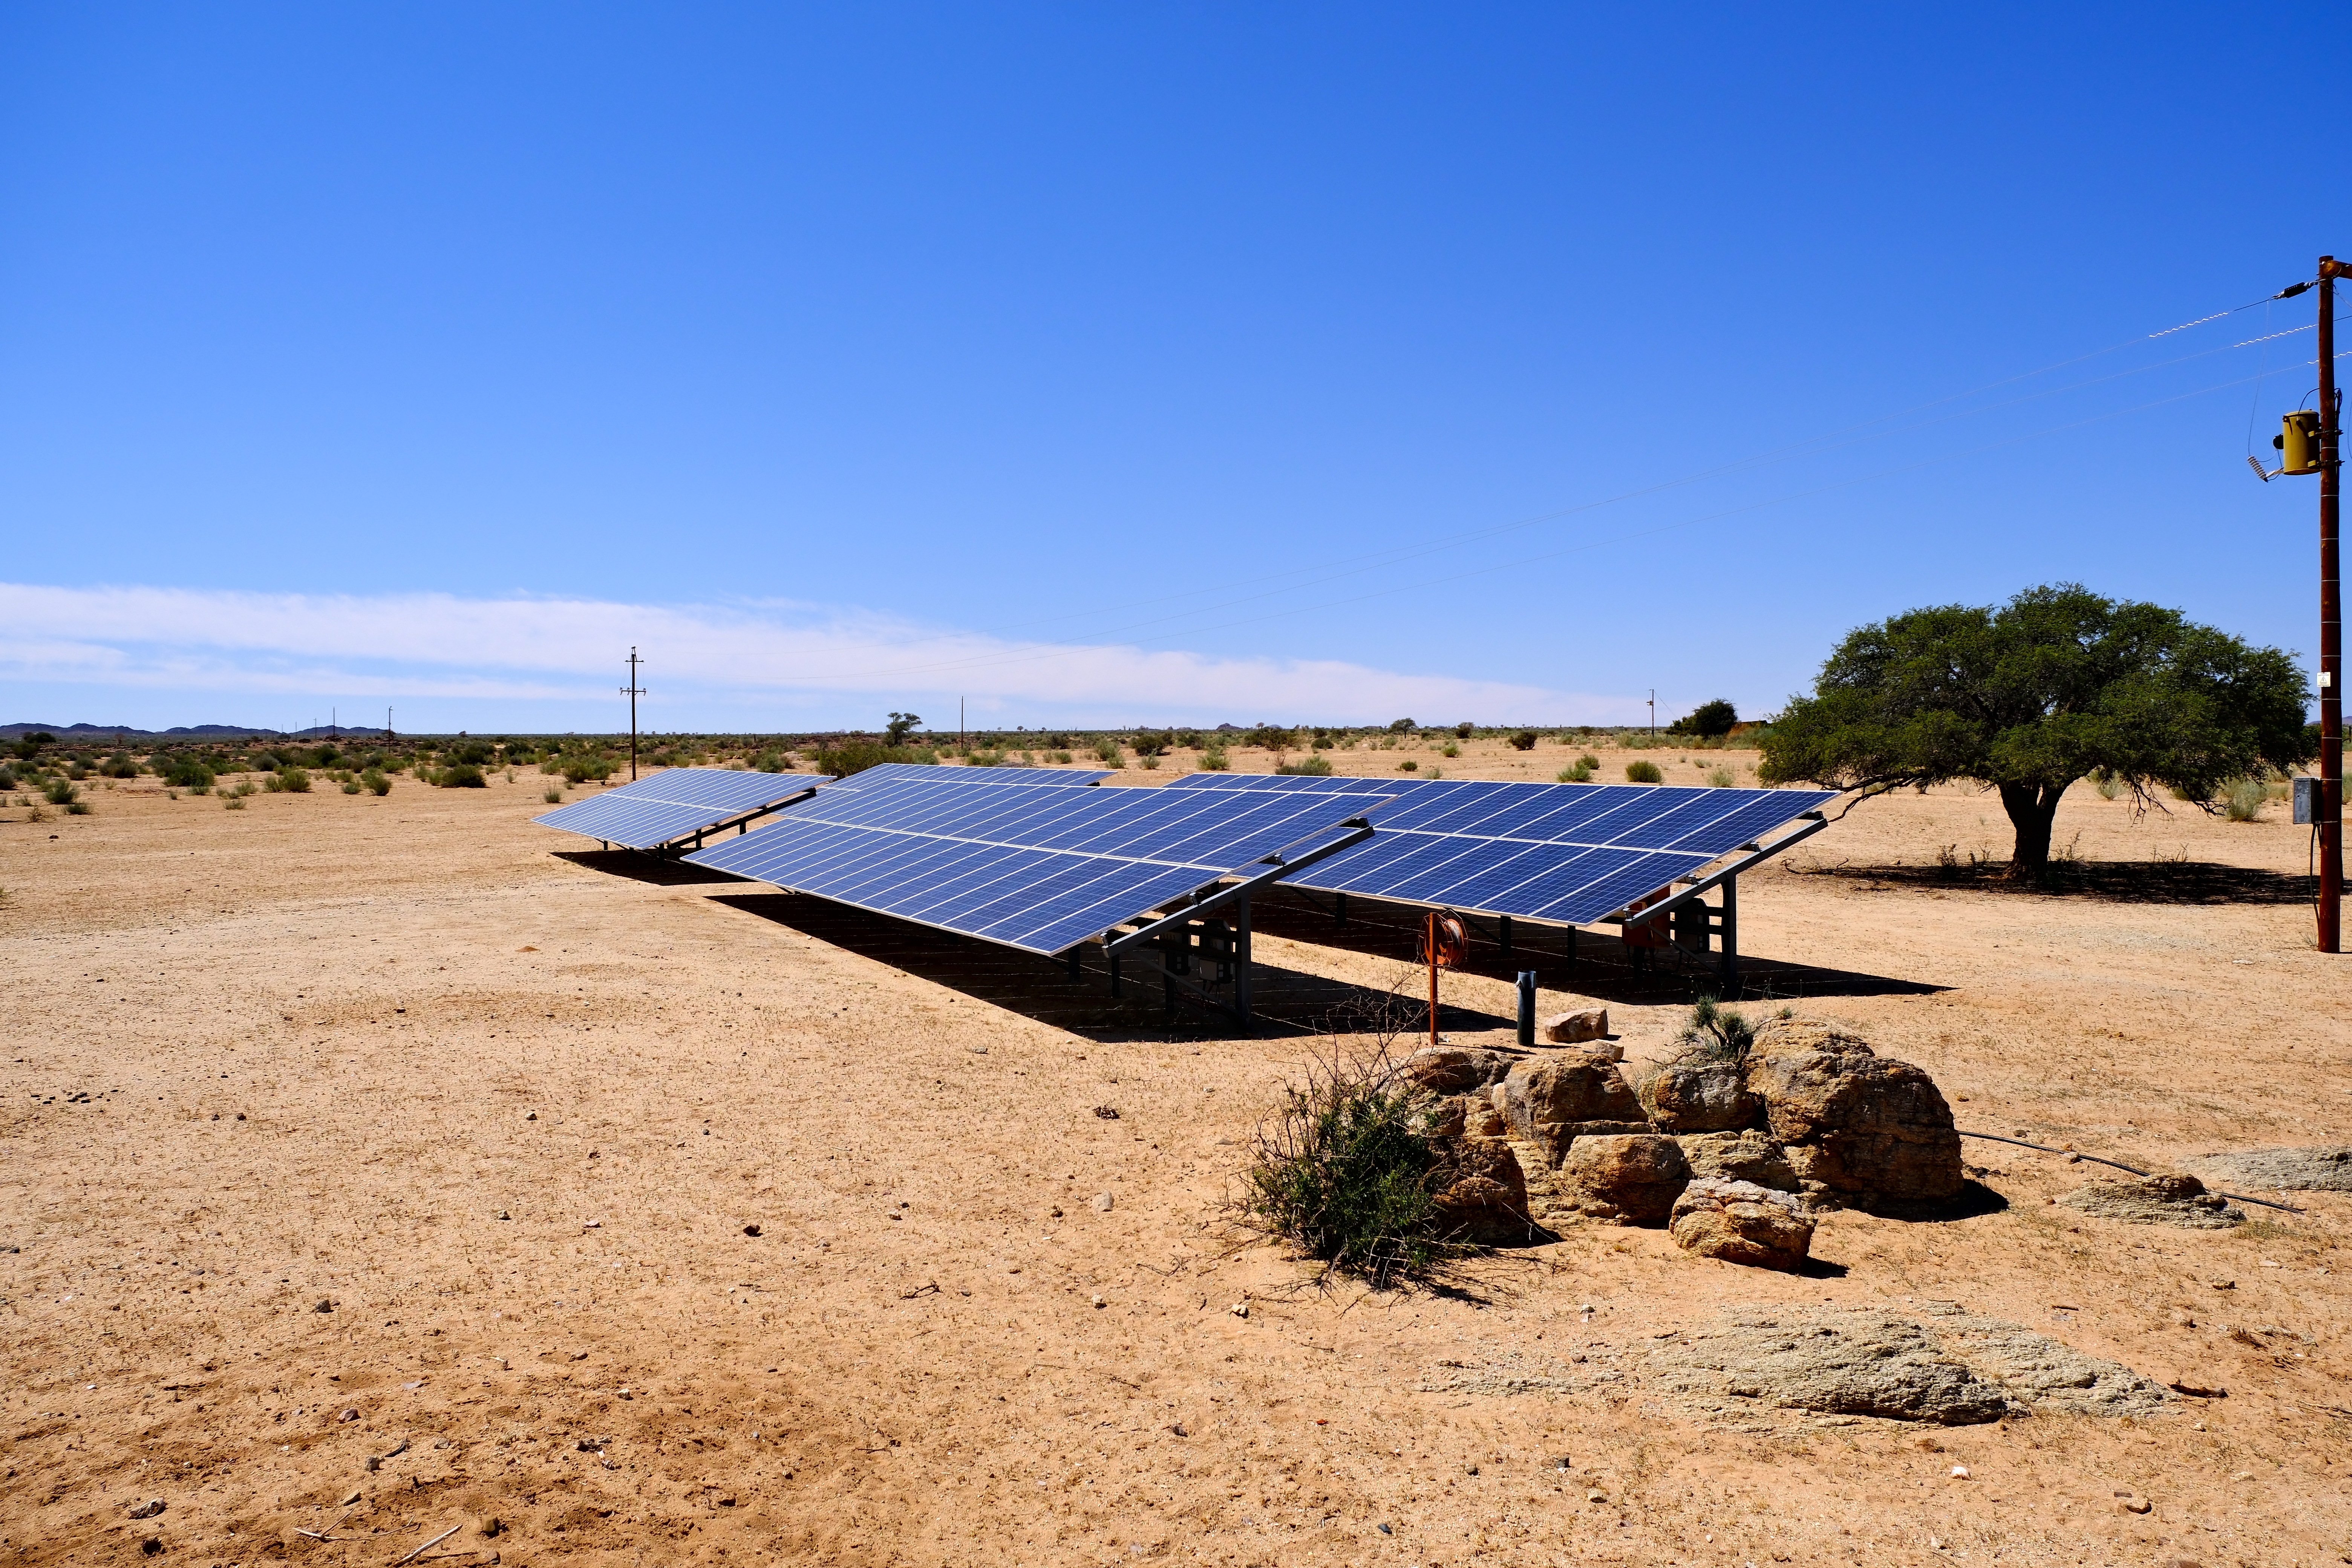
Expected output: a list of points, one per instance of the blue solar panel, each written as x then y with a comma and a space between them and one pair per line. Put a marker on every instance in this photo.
1568, 853
664, 808
1033, 864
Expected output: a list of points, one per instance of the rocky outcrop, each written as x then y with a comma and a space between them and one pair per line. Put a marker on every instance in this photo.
1832, 1361
1481, 1193
1700, 1094
1748, 1156
1631, 1178
1578, 1093
1862, 1130
1740, 1222
1454, 1069
2155, 1200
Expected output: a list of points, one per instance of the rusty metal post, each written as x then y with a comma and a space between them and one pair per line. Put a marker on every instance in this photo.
2331, 633
1431, 941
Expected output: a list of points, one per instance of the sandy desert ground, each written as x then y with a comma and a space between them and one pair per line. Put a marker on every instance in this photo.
373, 1167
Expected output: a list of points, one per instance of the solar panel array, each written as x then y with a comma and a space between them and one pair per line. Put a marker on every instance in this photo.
1031, 864
664, 808
1565, 853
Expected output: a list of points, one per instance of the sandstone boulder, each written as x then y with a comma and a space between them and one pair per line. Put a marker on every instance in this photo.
1553, 1102
1700, 1094
2155, 1200
1632, 1178
1861, 1129
1454, 1069
1740, 1222
1746, 1156
1575, 1028
1481, 1193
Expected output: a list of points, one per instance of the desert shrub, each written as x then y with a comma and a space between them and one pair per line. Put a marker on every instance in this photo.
351, 786
849, 757
7, 776
1579, 773
1340, 1171
772, 762
1465, 730
375, 783
1153, 744
461, 775
1588, 761
1525, 740
984, 758
233, 802
1189, 739
297, 781
1643, 773
1060, 754
579, 768
1408, 765
2109, 786
263, 763
78, 808
119, 766
2243, 800
1450, 749
61, 792
1214, 760
1313, 767
471, 753
1715, 1032
1403, 727
554, 795
1269, 738
1719, 778
1715, 718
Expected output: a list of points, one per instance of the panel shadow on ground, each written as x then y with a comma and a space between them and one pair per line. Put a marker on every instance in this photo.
1601, 966
1286, 1002
661, 871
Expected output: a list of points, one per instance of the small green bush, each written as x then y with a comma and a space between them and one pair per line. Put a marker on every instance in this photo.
78, 808
1719, 778
554, 795
2243, 802
61, 792
1408, 766
1214, 760
855, 756
984, 758
1525, 740
1341, 1172
1588, 761
1107, 751
1060, 755
119, 766
351, 786
1463, 731
2109, 786
374, 782
462, 775
297, 781
578, 769
1715, 1032
1643, 773
1269, 738
1579, 773
1450, 749
1403, 727
1313, 767
233, 802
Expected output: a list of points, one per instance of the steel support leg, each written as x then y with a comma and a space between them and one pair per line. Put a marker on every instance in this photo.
1242, 965
1730, 938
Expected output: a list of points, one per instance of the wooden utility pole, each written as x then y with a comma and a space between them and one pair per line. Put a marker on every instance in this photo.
633, 691
2331, 630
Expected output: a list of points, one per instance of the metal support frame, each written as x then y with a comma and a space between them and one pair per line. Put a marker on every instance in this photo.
1726, 877
1116, 942
740, 823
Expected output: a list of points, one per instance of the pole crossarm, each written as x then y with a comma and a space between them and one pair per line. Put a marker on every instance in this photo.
1114, 943
1813, 823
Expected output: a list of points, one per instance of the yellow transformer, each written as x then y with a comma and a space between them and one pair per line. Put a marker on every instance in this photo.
2298, 442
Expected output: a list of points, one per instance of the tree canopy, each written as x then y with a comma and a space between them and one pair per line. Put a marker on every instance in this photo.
2031, 696
1708, 719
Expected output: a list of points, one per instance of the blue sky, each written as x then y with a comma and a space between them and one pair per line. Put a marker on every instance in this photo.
1123, 364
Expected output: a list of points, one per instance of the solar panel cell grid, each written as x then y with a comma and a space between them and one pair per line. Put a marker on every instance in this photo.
673, 804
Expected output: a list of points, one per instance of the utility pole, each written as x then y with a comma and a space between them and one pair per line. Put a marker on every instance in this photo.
633, 691
2331, 631
387, 723
1653, 712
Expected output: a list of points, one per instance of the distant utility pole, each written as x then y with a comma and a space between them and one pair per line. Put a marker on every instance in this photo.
633, 691
960, 740
2294, 443
1653, 712
387, 722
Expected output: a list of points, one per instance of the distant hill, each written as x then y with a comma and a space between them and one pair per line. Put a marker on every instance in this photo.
102, 732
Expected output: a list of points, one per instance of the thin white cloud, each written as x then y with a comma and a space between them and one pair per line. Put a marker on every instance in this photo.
535, 650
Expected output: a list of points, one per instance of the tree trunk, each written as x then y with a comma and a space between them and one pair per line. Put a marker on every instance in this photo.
2032, 810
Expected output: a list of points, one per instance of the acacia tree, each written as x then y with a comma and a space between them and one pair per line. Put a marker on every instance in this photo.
2028, 697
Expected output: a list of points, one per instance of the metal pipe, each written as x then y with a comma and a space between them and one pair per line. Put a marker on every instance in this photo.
2331, 633
1730, 938
1526, 1007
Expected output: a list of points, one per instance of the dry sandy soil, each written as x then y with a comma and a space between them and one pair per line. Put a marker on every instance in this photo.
403, 1107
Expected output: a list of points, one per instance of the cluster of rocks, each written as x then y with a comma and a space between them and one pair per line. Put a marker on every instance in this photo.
1732, 1153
